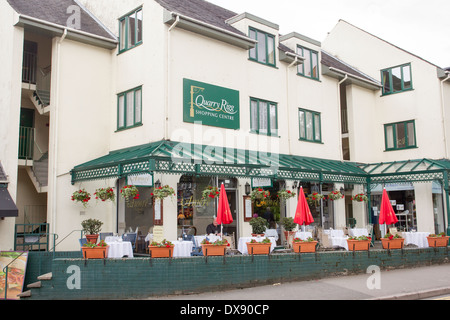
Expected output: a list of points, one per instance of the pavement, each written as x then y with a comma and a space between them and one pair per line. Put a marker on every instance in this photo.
398, 284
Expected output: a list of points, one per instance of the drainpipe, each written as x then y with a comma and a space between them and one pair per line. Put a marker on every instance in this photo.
287, 100
55, 126
443, 112
339, 115
166, 108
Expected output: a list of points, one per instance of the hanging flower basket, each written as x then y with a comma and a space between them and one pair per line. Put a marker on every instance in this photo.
163, 192
360, 197
314, 198
81, 196
105, 194
259, 193
129, 192
335, 195
210, 193
285, 194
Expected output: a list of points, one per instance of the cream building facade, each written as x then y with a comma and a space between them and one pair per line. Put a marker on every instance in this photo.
120, 77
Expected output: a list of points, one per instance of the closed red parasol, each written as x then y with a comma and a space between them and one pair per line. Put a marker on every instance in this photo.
302, 213
387, 214
223, 211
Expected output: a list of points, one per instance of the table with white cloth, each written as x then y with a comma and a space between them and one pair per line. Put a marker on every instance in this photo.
182, 248
271, 233
417, 238
303, 235
119, 248
242, 244
337, 238
358, 232
211, 238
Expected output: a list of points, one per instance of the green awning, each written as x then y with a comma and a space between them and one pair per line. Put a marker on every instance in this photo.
185, 158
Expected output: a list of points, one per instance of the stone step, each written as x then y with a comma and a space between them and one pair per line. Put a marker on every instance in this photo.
25, 294
47, 276
37, 284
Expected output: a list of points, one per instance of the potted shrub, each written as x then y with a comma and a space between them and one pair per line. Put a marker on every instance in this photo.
308, 245
105, 194
259, 247
259, 225
91, 228
289, 226
210, 193
361, 243
390, 241
163, 249
216, 248
95, 251
162, 192
129, 192
438, 240
81, 196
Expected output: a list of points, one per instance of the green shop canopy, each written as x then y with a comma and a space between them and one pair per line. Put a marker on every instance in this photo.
185, 158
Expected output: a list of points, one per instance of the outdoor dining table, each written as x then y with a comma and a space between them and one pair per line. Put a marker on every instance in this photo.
119, 248
303, 235
337, 238
211, 238
182, 248
357, 232
242, 244
271, 233
417, 238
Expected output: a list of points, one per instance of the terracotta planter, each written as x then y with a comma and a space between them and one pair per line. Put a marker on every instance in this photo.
213, 250
437, 241
92, 238
262, 235
258, 248
358, 245
95, 253
392, 244
161, 252
304, 246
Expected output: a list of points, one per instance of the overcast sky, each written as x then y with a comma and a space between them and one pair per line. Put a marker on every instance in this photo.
418, 26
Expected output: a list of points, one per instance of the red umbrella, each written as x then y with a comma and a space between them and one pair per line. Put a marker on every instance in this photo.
302, 213
223, 211
387, 214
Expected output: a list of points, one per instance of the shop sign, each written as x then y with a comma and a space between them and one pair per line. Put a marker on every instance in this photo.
142, 180
210, 105
261, 182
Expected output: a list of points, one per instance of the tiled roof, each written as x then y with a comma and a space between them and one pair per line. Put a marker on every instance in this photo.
332, 61
203, 11
55, 11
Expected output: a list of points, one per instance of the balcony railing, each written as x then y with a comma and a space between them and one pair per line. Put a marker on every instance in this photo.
26, 143
29, 67
344, 121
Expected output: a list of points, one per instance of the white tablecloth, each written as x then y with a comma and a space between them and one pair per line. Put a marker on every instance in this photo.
357, 232
182, 248
334, 232
417, 238
211, 238
112, 239
242, 244
119, 249
272, 233
303, 235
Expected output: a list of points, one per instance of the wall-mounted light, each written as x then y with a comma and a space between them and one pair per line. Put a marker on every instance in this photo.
157, 184
247, 188
294, 185
342, 190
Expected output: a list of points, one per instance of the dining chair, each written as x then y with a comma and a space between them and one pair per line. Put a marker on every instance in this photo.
103, 235
131, 236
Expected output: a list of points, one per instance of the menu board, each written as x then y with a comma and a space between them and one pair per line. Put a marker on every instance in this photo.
17, 265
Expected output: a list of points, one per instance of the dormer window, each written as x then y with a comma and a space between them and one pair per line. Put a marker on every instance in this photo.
310, 67
264, 52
